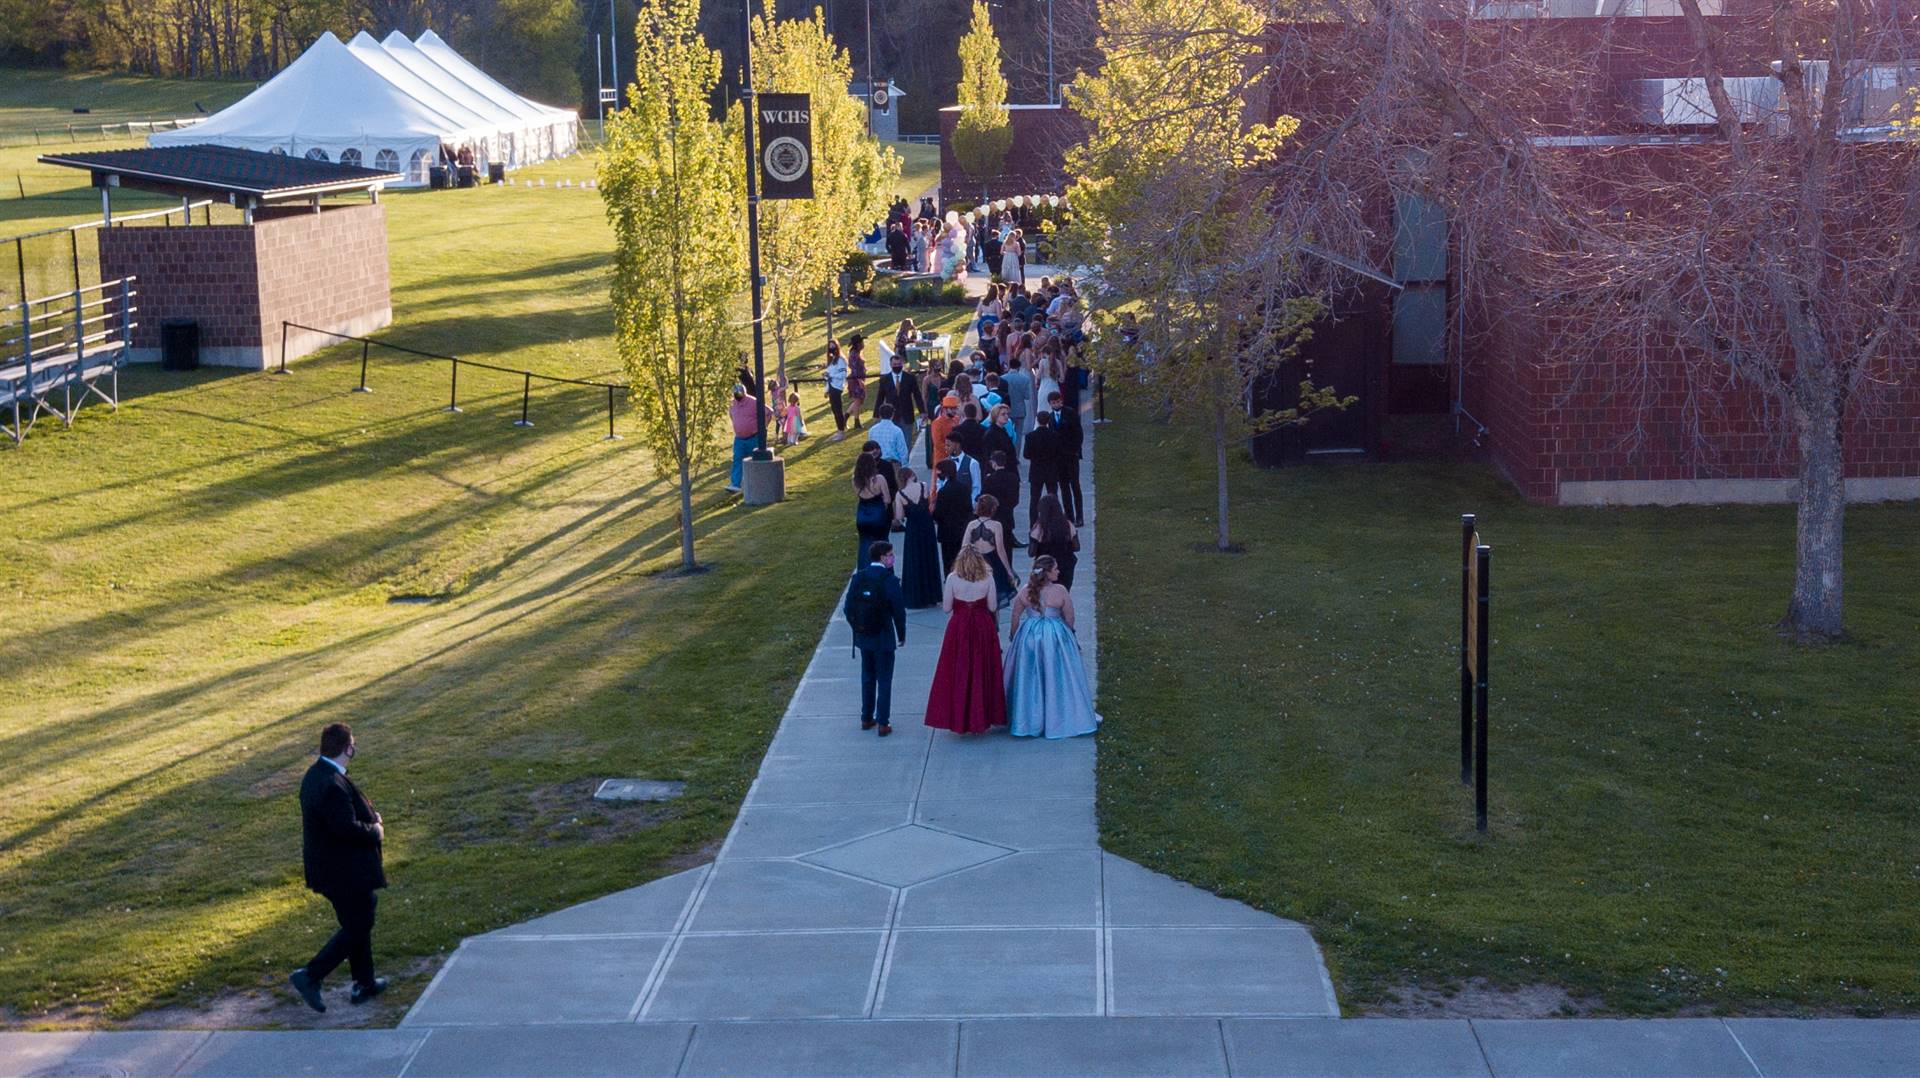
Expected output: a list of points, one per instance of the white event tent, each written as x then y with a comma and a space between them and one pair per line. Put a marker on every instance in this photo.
395, 105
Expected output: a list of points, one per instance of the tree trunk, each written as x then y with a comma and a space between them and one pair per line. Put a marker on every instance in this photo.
1816, 605
1220, 469
686, 517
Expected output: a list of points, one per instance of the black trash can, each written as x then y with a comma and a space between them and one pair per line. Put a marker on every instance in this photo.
496, 172
437, 177
179, 344
466, 176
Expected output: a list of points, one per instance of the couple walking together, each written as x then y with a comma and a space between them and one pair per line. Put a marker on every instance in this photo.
1038, 689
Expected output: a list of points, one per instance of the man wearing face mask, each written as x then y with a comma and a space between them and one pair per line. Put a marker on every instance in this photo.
340, 838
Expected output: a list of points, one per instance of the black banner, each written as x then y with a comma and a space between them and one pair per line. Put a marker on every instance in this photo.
786, 145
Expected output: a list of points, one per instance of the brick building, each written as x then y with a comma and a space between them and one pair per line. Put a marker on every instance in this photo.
1555, 409
294, 259
1035, 164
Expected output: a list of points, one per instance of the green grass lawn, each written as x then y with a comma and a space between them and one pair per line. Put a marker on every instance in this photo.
1688, 814
919, 169
197, 584
36, 104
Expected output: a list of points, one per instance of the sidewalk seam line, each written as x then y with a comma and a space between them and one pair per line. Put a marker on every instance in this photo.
414, 1053
1737, 1043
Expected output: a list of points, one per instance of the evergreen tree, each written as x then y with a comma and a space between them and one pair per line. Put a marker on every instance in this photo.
983, 135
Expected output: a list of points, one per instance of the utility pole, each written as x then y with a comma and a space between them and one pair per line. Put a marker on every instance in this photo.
760, 451
870, 86
613, 50
1052, 94
599, 84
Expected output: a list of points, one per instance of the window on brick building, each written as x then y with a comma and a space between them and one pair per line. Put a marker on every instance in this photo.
317, 154
1420, 264
386, 161
350, 157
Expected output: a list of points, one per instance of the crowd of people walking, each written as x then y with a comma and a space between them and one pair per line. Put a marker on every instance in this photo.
943, 529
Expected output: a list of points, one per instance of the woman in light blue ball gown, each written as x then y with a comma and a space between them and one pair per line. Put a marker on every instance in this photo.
1047, 691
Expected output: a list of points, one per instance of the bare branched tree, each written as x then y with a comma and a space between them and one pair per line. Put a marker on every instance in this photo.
1708, 214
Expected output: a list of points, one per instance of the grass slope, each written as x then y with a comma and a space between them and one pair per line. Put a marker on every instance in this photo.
196, 584
1688, 813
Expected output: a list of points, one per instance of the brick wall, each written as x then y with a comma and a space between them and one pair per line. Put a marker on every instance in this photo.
326, 269
1035, 163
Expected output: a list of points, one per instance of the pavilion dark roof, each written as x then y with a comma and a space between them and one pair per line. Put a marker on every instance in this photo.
223, 170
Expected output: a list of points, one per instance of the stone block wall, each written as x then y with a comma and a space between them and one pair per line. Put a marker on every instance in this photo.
326, 269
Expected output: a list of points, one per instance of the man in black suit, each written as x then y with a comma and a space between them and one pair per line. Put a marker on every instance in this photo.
1041, 447
1066, 423
340, 838
971, 432
900, 388
877, 612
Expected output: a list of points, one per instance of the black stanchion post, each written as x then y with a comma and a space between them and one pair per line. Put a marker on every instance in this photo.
1100, 397
362, 387
526, 391
1466, 645
611, 437
283, 347
453, 389
1482, 631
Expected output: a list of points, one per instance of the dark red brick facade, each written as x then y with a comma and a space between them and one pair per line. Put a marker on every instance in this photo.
1035, 164
326, 269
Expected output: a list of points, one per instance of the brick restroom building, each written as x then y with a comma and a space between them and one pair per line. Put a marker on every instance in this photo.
295, 258
1548, 407
1554, 407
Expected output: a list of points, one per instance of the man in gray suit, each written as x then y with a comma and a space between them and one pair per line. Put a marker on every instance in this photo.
1018, 385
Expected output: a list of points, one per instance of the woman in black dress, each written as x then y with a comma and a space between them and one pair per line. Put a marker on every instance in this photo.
872, 520
952, 512
987, 540
1055, 536
920, 574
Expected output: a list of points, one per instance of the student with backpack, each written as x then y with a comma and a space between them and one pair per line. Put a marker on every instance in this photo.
877, 613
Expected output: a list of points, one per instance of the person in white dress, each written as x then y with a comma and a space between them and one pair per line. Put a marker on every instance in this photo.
1010, 255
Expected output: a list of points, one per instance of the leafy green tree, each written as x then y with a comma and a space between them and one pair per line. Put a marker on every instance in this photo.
984, 134
671, 179
804, 242
1162, 185
534, 46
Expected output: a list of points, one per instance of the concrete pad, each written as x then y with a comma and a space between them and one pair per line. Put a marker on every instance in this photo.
791, 781
1005, 777
650, 907
577, 1051
78, 1052
1699, 1047
1061, 823
964, 753
1093, 1047
802, 975
791, 830
1364, 1048
1223, 971
1137, 896
504, 979
357, 1052
843, 1049
840, 737
771, 896
1027, 890
999, 972
1792, 1047
907, 855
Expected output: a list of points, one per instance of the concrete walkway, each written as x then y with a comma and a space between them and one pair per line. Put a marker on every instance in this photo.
924, 875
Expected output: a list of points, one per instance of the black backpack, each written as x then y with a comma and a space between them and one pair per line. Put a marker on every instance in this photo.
867, 608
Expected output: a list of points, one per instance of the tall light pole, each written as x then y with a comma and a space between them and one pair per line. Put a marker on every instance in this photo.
1052, 97
869, 68
613, 50
760, 451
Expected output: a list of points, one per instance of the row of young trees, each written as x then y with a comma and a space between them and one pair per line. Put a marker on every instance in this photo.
672, 177
535, 46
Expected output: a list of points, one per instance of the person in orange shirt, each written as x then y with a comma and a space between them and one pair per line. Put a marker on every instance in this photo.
943, 424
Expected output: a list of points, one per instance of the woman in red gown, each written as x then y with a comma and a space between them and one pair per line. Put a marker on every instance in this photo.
969, 695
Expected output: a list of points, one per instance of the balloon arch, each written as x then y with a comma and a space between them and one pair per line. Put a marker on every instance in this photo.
996, 205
